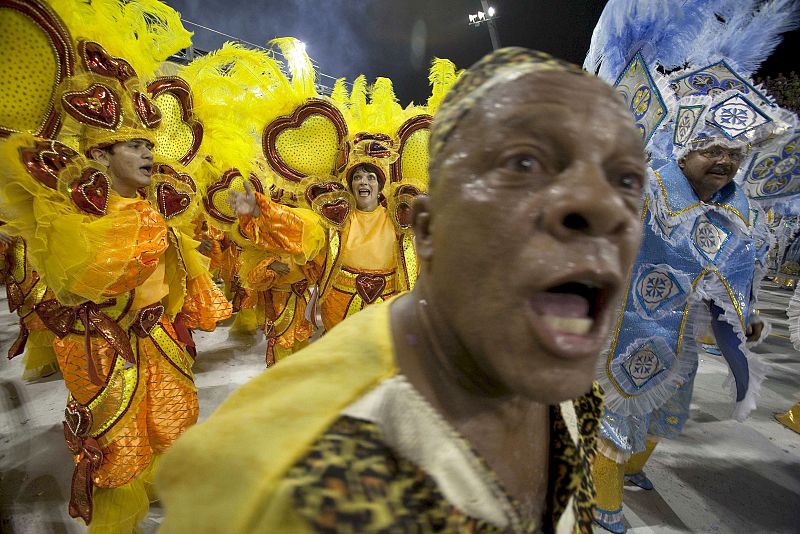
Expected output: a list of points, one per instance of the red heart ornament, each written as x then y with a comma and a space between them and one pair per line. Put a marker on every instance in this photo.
96, 106
369, 286
300, 287
402, 213
46, 159
90, 191
336, 211
315, 190
78, 419
171, 202
96, 59
163, 168
147, 111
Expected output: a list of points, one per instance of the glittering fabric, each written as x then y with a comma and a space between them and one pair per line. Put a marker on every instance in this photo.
137, 412
692, 252
284, 229
608, 476
482, 77
342, 301
204, 305
138, 264
171, 398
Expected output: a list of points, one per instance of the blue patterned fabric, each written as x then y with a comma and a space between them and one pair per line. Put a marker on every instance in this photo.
693, 254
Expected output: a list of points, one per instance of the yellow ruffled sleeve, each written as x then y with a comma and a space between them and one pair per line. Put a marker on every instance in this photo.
293, 231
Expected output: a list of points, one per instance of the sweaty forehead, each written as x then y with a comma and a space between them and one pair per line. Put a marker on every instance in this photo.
499, 68
549, 88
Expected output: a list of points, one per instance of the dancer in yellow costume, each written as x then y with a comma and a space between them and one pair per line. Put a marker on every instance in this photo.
367, 164
128, 284
228, 89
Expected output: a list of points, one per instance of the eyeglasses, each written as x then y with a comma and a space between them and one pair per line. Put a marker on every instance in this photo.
718, 152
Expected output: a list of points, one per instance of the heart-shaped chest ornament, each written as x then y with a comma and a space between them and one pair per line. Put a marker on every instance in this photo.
369, 287
90, 191
337, 209
171, 202
46, 159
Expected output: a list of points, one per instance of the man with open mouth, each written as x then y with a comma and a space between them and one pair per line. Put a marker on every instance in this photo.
466, 404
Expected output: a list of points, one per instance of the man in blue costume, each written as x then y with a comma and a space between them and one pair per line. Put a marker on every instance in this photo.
704, 245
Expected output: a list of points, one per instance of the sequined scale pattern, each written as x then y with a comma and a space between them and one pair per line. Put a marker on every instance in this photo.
171, 400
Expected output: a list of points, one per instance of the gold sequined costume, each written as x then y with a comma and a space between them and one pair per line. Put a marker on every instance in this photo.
25, 289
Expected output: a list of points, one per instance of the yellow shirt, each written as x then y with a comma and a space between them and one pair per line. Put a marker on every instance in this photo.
369, 242
153, 289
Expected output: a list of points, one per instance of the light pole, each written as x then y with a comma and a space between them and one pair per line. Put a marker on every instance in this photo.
486, 16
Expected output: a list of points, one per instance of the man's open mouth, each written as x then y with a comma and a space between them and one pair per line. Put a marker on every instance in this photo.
146, 169
364, 192
570, 317
719, 171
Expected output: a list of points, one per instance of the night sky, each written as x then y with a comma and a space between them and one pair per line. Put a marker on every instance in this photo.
398, 38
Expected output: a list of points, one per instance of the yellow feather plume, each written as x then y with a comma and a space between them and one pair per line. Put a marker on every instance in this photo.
442, 76
384, 114
143, 32
340, 94
298, 63
358, 97
228, 87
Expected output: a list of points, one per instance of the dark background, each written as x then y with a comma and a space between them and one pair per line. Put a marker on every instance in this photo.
397, 38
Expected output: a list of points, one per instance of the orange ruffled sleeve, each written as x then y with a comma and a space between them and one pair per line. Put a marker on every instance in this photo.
112, 254
293, 231
204, 305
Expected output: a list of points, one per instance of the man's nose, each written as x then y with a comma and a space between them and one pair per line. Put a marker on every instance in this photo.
726, 157
585, 204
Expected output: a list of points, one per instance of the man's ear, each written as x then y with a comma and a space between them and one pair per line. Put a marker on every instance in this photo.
100, 156
422, 221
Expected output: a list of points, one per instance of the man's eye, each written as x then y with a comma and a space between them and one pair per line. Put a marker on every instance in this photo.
630, 181
522, 163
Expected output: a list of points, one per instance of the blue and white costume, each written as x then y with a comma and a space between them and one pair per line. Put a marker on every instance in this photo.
684, 68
